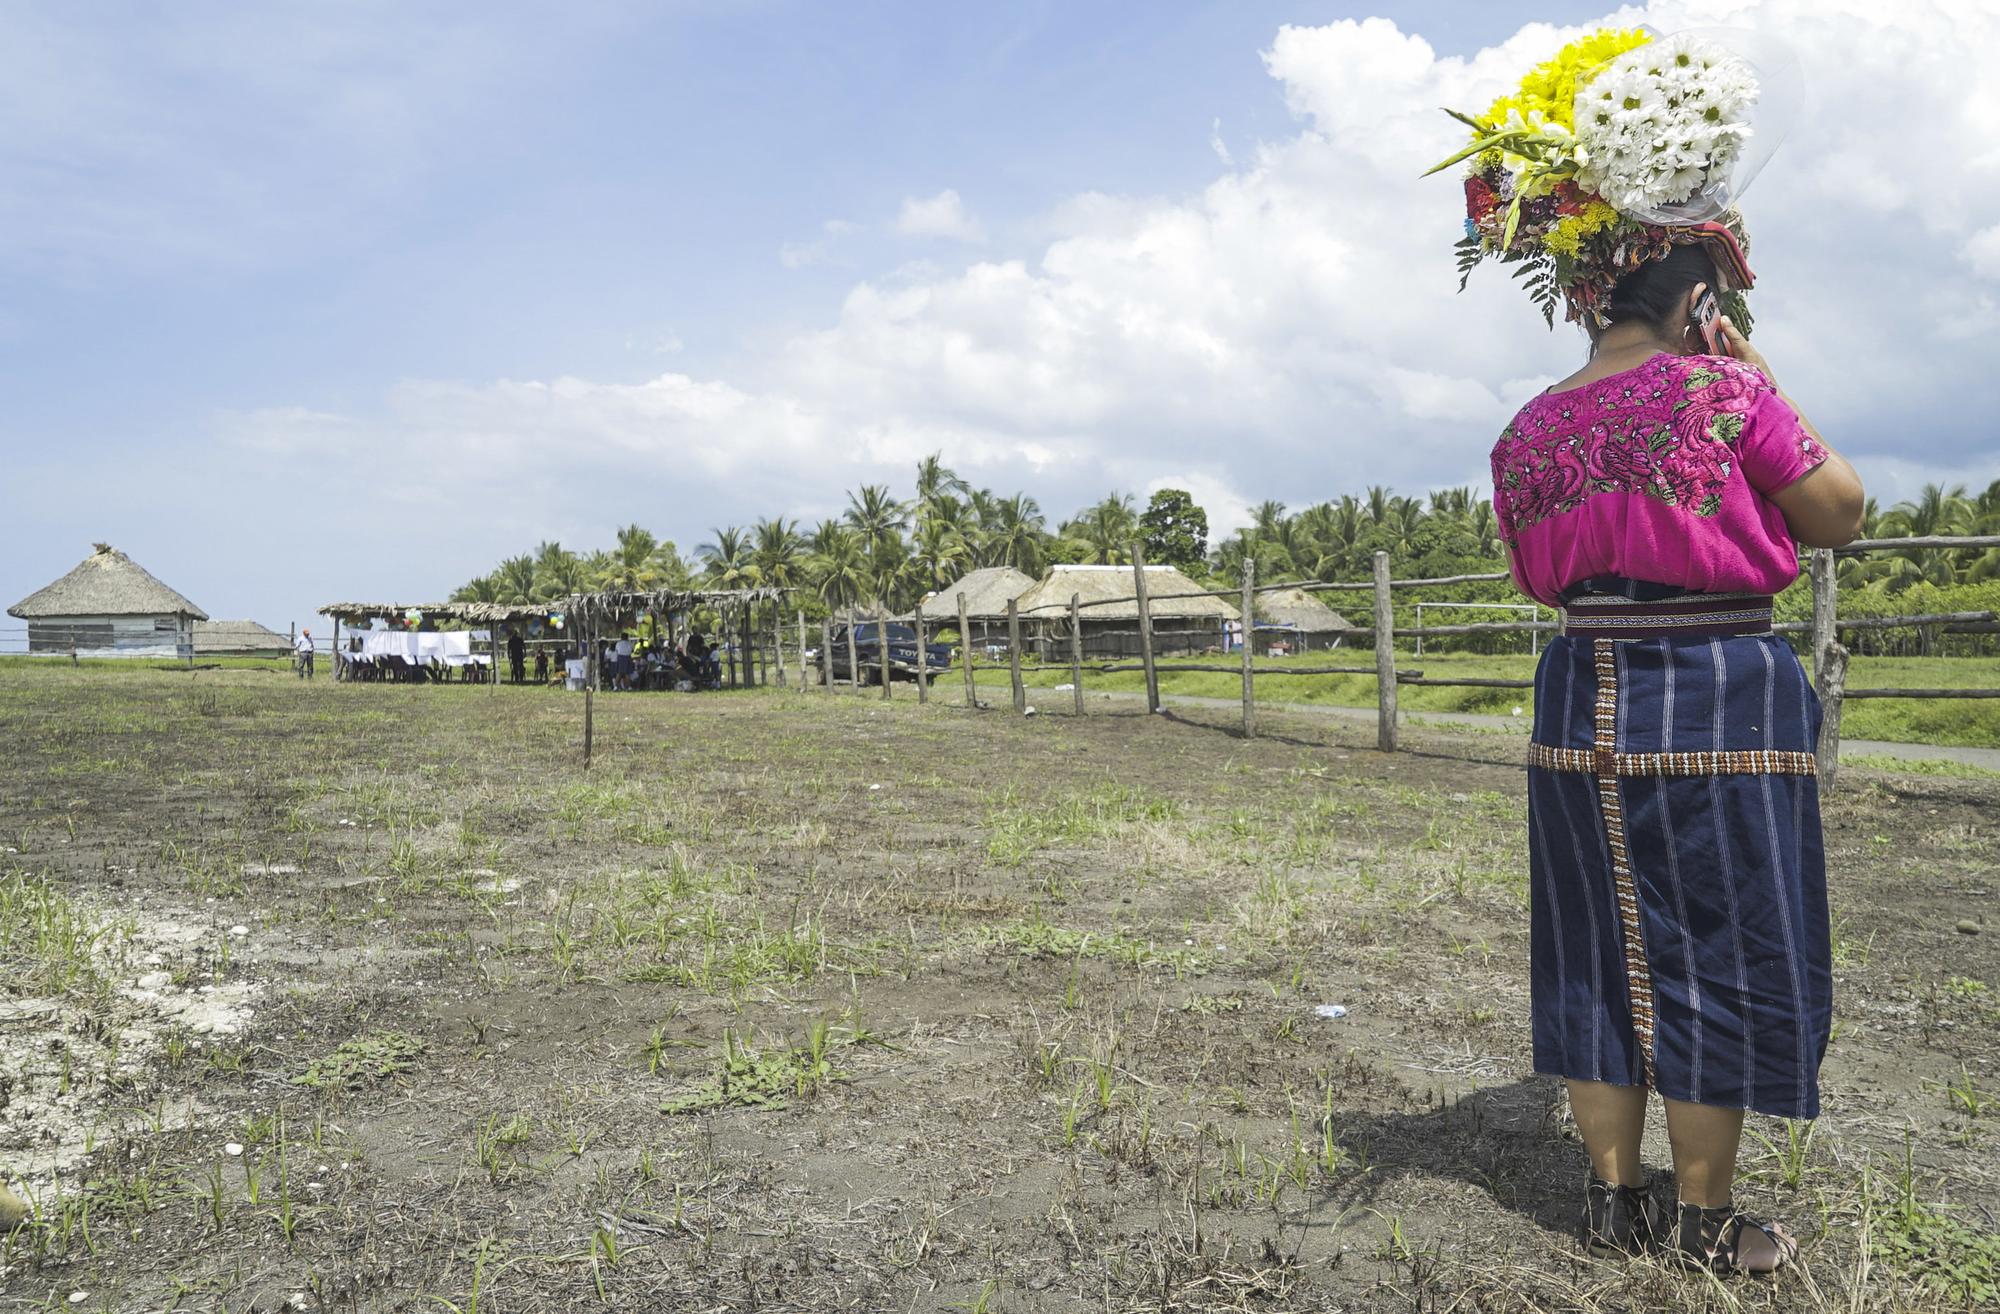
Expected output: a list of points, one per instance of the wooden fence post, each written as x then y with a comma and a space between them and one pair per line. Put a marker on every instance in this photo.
1385, 658
1145, 629
1076, 650
1825, 603
336, 649
965, 655
589, 688
853, 656
882, 650
805, 672
1249, 645
778, 637
826, 652
1832, 693
1014, 655
923, 658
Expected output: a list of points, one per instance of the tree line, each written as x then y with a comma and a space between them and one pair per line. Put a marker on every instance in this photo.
890, 551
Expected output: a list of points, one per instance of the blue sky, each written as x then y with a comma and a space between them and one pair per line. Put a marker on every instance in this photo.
305, 302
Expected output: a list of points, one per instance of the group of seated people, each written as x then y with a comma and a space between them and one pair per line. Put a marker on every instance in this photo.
627, 662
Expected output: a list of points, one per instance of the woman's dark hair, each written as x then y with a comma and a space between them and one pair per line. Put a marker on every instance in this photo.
1655, 294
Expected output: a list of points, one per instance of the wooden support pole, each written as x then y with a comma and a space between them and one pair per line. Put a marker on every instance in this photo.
826, 652
1076, 650
1825, 604
1014, 655
1832, 693
853, 656
336, 648
923, 658
805, 675
589, 690
1385, 658
1249, 645
728, 645
778, 638
965, 654
1145, 628
882, 650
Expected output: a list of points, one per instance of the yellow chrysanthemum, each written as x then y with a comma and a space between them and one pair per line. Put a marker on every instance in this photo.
1566, 238
1550, 87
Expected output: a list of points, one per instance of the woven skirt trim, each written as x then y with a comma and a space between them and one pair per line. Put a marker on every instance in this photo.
1638, 976
1752, 762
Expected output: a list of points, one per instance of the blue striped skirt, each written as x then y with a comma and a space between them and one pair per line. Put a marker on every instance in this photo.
1678, 898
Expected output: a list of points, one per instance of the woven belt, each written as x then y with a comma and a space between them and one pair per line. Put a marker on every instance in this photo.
1697, 615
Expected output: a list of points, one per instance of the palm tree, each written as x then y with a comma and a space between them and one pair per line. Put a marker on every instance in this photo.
1017, 538
1105, 531
777, 558
630, 565
839, 565
485, 588
726, 559
516, 579
936, 480
670, 569
877, 516
939, 550
558, 572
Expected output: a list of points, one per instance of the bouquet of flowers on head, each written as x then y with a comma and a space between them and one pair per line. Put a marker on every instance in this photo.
1621, 147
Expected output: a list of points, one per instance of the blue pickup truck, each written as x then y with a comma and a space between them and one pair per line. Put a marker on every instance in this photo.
902, 652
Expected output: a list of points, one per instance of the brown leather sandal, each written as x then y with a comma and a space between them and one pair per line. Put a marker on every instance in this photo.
1620, 1220
1713, 1238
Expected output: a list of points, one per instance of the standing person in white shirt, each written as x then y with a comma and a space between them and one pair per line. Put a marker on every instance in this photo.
303, 648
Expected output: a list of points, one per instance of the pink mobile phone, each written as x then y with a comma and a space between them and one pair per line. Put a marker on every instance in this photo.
1708, 323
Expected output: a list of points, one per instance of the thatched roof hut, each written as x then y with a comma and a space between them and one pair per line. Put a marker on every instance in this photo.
239, 638
105, 583
1105, 593
987, 592
1186, 618
1296, 609
109, 606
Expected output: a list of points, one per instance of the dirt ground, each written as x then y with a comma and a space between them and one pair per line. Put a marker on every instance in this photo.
371, 998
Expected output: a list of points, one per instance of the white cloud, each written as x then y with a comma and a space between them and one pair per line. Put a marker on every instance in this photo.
820, 250
1293, 329
1219, 146
943, 215
1982, 252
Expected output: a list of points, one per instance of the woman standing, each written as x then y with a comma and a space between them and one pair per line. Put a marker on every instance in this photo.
1658, 497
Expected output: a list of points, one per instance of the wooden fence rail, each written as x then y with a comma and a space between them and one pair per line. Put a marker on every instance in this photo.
1829, 659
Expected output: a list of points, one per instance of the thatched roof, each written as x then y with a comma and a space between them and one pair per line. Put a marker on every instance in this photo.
237, 636
472, 613
986, 593
1111, 588
105, 583
1299, 610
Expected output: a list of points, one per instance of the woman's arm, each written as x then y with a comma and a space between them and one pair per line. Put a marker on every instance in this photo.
1823, 507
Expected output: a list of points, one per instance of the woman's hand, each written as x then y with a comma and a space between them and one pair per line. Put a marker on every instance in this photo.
1740, 349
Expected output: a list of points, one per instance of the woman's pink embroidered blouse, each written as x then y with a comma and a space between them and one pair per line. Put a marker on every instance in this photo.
1661, 473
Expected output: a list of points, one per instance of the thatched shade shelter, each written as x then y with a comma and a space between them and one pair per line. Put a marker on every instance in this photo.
987, 591
239, 638
1297, 619
1183, 619
109, 606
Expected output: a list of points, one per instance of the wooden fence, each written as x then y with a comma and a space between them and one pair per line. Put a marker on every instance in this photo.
1829, 657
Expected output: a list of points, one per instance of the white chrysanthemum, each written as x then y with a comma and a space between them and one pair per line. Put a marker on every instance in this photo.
1663, 122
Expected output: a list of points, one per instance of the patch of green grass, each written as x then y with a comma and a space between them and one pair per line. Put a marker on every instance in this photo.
49, 944
1974, 724
362, 1061
1035, 938
768, 1079
1019, 828
1933, 1246
1919, 766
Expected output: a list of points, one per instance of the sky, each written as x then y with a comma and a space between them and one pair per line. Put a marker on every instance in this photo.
305, 302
